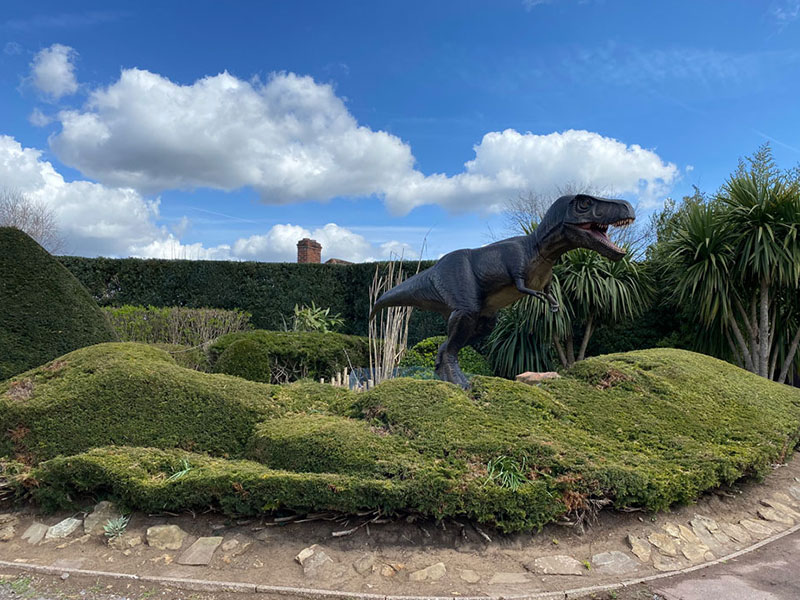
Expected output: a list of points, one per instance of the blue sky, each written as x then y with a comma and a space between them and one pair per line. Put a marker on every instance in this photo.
229, 130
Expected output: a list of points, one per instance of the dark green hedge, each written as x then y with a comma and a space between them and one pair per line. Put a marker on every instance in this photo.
44, 310
269, 291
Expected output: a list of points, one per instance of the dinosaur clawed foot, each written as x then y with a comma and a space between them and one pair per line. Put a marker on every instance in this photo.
448, 370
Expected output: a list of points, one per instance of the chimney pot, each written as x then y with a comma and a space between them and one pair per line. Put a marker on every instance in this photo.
309, 251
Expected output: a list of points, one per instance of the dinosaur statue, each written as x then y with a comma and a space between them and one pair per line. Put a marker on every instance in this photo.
467, 287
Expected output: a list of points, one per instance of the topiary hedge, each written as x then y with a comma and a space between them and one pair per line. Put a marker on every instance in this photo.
269, 291
423, 354
44, 311
287, 355
642, 429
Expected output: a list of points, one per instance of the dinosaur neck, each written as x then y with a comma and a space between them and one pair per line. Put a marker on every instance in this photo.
552, 244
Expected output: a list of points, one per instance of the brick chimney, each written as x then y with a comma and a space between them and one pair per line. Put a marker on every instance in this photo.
309, 251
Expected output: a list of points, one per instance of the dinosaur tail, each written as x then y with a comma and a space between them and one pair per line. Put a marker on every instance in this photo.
414, 291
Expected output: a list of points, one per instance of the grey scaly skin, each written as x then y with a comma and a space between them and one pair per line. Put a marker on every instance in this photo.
467, 287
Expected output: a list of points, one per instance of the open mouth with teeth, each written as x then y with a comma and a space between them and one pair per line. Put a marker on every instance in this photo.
600, 231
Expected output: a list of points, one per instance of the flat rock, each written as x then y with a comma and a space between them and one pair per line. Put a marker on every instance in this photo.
8, 519
736, 532
469, 576
508, 578
165, 537
794, 492
35, 533
7, 533
640, 547
780, 506
710, 524
696, 553
315, 562
237, 545
613, 563
666, 563
770, 514
665, 544
201, 552
103, 512
560, 564
365, 564
532, 378
433, 573
786, 499
125, 541
757, 528
709, 533
688, 535
672, 529
63, 529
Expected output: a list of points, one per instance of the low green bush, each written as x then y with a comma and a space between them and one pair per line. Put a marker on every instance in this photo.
424, 354
188, 357
245, 358
174, 324
292, 355
642, 429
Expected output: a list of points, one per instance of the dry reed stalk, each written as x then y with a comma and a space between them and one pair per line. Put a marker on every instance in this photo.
388, 330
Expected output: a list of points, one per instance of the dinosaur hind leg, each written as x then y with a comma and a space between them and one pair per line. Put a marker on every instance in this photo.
461, 328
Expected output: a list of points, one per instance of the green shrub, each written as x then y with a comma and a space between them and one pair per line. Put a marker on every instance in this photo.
293, 355
44, 311
269, 291
245, 358
643, 429
424, 353
188, 357
174, 324
134, 394
314, 318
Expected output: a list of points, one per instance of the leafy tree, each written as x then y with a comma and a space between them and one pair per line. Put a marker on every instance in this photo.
734, 263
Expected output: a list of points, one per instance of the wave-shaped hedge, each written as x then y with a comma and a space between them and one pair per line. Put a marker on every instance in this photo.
647, 428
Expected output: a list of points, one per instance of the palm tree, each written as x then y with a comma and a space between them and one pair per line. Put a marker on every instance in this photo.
736, 262
591, 290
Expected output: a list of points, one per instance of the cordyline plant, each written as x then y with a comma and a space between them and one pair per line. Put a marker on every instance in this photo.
735, 261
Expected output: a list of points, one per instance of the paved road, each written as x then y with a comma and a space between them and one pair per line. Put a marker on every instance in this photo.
769, 573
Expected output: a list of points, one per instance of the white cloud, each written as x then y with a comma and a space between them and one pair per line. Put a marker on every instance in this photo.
507, 162
53, 71
280, 244
39, 119
293, 140
97, 220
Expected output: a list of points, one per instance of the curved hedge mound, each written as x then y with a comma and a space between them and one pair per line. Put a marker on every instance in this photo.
647, 429
46, 312
291, 355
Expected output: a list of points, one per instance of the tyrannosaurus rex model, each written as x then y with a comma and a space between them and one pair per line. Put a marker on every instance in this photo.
468, 287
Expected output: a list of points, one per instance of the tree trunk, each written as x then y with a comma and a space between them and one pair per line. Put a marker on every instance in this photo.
763, 329
570, 350
746, 352
587, 334
789, 357
561, 355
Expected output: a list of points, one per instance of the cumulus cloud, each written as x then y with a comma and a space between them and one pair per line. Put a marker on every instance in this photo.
280, 244
53, 71
293, 140
98, 220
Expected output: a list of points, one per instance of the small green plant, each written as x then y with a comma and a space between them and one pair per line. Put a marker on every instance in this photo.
186, 467
587, 565
506, 472
21, 585
116, 527
315, 318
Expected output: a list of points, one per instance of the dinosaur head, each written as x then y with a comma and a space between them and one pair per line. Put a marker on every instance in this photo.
586, 220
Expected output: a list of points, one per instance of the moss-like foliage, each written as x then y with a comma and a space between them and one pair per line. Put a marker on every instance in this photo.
247, 359
648, 429
424, 353
44, 311
289, 355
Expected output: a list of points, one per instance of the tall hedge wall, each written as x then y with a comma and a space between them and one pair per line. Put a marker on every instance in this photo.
268, 291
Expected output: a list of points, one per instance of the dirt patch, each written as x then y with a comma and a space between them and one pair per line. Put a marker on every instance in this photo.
20, 390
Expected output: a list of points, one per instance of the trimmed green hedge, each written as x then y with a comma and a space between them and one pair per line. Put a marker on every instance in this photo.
44, 311
423, 354
287, 355
269, 291
646, 429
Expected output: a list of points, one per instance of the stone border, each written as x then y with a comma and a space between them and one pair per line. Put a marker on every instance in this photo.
314, 594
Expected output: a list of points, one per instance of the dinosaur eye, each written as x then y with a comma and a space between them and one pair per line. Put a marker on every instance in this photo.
584, 203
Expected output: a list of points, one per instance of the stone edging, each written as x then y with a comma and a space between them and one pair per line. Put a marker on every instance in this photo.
313, 594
